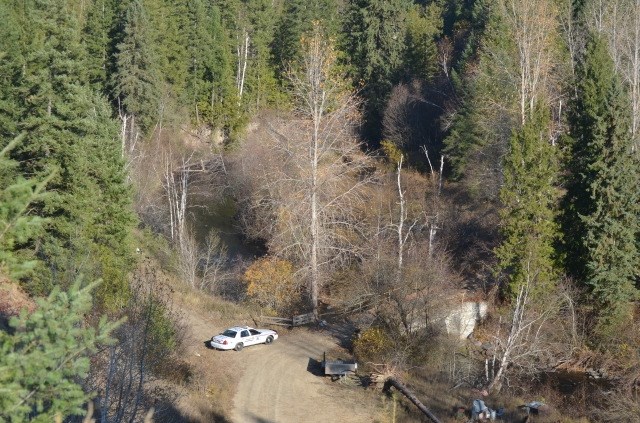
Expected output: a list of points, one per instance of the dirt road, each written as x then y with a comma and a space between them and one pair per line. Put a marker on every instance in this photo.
279, 385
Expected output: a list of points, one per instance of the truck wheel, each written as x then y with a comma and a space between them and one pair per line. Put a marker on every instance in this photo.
239, 346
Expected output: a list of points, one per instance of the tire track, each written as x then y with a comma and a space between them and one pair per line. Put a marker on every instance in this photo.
277, 387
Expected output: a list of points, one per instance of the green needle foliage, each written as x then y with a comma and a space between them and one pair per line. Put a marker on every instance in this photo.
376, 48
68, 128
136, 80
17, 227
96, 37
529, 197
45, 355
298, 20
602, 205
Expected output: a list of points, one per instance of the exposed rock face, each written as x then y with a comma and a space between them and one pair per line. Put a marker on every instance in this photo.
461, 320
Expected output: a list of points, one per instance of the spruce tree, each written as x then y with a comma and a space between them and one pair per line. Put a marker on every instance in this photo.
44, 356
11, 59
68, 129
529, 197
136, 79
602, 204
482, 129
424, 26
297, 19
221, 107
167, 30
17, 227
200, 51
261, 84
97, 39
375, 46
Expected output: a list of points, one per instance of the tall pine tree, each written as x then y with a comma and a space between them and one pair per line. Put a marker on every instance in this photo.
602, 204
17, 227
297, 19
11, 60
68, 129
136, 80
375, 45
529, 195
97, 40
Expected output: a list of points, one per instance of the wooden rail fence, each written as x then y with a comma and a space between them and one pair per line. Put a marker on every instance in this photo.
299, 320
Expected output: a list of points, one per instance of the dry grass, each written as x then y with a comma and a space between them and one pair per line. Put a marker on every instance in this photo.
13, 299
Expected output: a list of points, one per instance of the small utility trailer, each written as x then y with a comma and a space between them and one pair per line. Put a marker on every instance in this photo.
337, 368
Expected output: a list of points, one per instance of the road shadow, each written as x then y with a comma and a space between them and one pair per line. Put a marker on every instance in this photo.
257, 419
342, 330
315, 367
166, 411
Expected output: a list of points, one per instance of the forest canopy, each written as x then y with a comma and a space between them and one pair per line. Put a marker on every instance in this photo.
387, 156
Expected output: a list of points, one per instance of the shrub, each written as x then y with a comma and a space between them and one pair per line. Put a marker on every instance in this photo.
373, 345
270, 283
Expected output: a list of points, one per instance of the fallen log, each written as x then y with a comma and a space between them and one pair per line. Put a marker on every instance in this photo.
402, 388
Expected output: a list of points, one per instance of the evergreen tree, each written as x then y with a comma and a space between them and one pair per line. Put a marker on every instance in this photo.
97, 41
200, 50
10, 65
221, 107
68, 127
375, 46
481, 131
45, 354
261, 84
109, 204
297, 19
167, 29
465, 134
529, 197
136, 79
602, 204
16, 226
424, 26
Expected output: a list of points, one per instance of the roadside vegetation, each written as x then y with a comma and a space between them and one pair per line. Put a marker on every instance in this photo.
394, 163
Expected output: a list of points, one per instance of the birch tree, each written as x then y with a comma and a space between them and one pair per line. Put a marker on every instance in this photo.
534, 27
305, 182
519, 66
619, 22
533, 337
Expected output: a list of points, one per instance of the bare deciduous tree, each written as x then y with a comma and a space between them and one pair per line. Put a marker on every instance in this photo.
534, 27
303, 184
188, 258
404, 117
533, 339
619, 22
214, 261
242, 52
405, 282
123, 372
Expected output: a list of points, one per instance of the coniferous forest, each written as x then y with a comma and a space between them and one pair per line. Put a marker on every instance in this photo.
386, 165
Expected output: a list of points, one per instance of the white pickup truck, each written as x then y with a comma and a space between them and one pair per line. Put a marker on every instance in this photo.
238, 337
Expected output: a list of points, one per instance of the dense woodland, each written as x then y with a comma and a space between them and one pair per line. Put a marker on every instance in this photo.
386, 156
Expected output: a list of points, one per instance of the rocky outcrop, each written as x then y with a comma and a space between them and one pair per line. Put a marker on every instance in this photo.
462, 320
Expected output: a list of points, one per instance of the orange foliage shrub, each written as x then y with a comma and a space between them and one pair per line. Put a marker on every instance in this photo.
270, 283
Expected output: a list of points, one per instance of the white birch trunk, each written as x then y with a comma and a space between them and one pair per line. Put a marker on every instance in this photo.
242, 51
400, 226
